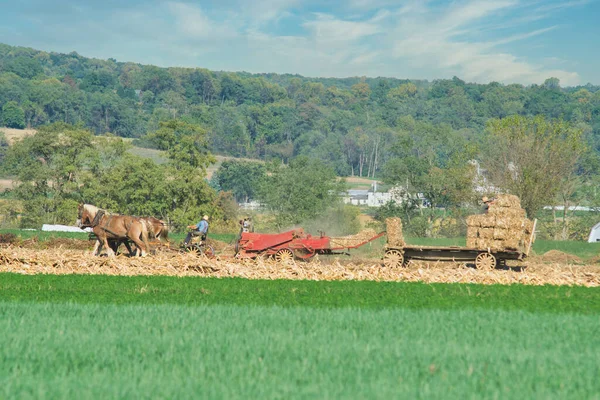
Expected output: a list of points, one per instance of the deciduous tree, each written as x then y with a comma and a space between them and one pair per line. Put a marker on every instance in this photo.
532, 158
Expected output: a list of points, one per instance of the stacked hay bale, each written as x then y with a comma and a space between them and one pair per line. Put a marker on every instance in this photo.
395, 238
504, 227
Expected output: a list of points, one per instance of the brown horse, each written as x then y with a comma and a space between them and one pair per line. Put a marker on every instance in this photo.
157, 231
111, 226
157, 228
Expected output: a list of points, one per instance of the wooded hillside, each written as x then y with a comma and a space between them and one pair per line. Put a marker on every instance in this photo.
353, 124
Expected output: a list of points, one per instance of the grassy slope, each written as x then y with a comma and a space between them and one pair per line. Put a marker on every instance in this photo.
118, 337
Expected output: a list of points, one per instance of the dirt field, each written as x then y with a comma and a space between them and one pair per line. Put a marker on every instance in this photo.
5, 184
64, 257
12, 135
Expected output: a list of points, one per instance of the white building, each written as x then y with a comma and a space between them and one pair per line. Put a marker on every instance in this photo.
371, 197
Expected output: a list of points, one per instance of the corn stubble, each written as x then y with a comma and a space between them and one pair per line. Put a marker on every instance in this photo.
66, 261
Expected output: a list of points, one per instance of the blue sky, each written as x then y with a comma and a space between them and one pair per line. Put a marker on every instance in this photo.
509, 41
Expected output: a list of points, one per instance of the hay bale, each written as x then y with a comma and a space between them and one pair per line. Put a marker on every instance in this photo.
474, 220
507, 201
395, 238
472, 242
506, 212
353, 240
472, 232
512, 243
510, 222
483, 243
500, 234
528, 226
487, 221
486, 233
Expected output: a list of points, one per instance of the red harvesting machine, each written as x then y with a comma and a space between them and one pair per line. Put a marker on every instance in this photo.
291, 244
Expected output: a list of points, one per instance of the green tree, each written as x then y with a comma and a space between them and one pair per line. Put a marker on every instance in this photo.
242, 178
3, 147
25, 67
186, 145
533, 158
13, 116
49, 167
301, 191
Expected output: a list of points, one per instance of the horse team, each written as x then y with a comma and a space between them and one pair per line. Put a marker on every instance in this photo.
112, 230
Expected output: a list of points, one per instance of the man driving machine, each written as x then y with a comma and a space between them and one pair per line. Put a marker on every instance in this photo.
200, 229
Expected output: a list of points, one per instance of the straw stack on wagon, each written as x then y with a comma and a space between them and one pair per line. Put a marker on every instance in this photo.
504, 227
353, 240
395, 238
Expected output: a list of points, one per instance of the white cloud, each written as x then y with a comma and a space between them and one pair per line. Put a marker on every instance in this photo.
416, 40
265, 11
430, 41
472, 39
195, 24
330, 29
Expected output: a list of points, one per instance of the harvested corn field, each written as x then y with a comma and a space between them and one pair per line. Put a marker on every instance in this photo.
62, 261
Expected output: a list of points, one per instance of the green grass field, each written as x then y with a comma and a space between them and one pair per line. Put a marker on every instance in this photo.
161, 337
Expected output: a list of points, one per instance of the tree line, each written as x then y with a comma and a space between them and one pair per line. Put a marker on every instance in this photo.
350, 124
540, 141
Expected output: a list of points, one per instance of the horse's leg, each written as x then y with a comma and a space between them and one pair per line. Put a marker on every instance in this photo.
134, 234
96, 248
131, 252
114, 245
109, 250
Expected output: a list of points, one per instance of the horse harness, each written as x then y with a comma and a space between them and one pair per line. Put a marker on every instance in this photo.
98, 217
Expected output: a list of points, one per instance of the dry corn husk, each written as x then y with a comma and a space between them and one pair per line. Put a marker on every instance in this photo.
66, 261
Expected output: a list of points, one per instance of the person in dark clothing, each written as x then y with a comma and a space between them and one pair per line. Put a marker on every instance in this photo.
486, 204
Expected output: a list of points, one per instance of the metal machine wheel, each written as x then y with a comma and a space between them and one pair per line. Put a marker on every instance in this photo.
485, 261
208, 251
304, 253
284, 256
393, 259
200, 249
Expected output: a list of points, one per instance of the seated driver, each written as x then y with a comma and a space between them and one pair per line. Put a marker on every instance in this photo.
200, 229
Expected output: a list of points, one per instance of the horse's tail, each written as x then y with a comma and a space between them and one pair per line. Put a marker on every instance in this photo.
164, 231
145, 230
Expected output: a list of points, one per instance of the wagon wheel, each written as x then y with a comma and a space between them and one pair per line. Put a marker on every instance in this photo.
285, 256
485, 261
393, 259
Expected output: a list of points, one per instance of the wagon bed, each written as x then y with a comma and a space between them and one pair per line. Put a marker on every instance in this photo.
397, 256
